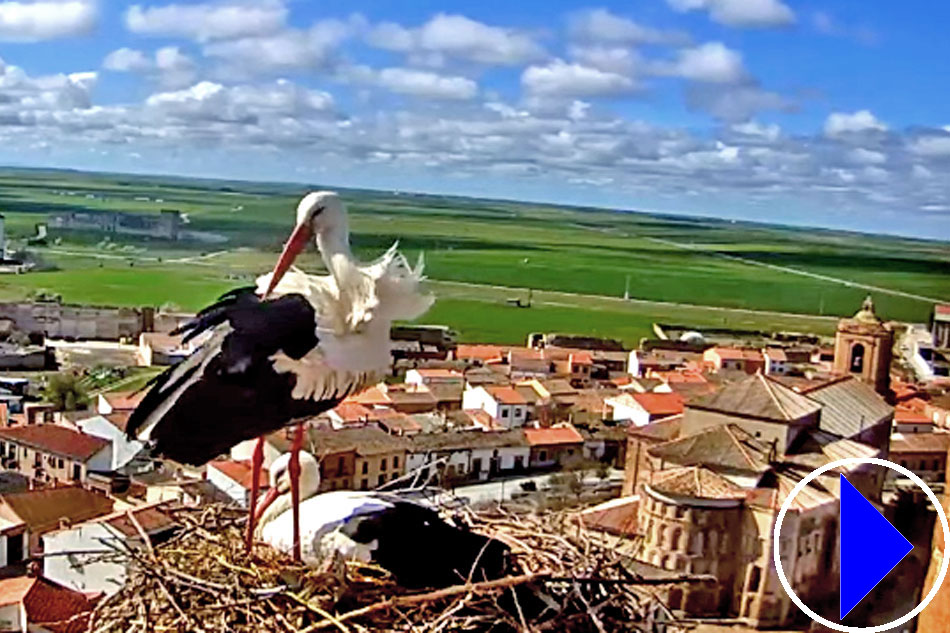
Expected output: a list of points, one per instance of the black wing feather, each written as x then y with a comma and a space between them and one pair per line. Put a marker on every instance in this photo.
228, 391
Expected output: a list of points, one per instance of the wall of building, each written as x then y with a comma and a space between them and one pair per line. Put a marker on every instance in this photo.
123, 449
695, 420
697, 537
337, 471
54, 468
13, 617
18, 534
374, 470
228, 486
57, 320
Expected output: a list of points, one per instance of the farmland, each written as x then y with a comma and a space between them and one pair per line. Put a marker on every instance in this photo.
479, 253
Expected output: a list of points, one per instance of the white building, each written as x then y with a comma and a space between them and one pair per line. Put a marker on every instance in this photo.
504, 404
233, 478
111, 427
474, 455
90, 571
776, 361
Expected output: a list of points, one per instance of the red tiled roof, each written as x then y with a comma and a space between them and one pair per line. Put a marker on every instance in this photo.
481, 418
485, 353
399, 422
56, 608
582, 357
352, 411
44, 509
553, 435
55, 439
119, 419
617, 516
907, 415
733, 353
124, 399
920, 443
942, 308
151, 518
506, 395
660, 404
683, 376
776, 354
371, 396
240, 472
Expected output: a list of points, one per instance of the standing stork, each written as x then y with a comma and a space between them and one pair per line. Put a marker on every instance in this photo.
289, 349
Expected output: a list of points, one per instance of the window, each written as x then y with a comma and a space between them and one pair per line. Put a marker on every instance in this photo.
77, 472
59, 463
382, 464
365, 468
936, 465
903, 463
504, 412
543, 456
364, 485
395, 462
755, 576
381, 480
341, 466
857, 358
394, 476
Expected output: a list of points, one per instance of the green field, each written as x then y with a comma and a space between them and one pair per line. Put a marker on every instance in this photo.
486, 244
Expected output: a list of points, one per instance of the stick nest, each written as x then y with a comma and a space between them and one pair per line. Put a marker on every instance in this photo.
201, 579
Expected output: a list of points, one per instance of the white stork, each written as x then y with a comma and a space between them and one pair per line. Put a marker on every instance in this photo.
289, 349
376, 527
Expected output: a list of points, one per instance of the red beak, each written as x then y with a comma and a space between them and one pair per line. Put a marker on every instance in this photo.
297, 242
265, 501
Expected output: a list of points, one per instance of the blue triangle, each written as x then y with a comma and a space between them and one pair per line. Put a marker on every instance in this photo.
870, 547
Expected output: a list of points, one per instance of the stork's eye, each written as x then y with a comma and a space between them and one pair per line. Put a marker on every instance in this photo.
318, 211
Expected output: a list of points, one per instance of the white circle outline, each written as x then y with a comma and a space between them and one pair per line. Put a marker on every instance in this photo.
801, 486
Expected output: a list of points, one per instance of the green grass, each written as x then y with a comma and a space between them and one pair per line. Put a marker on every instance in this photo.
486, 242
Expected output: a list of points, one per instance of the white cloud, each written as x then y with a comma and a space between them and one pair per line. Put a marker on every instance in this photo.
127, 60
170, 67
735, 103
712, 62
756, 129
290, 49
843, 123
560, 79
824, 23
207, 21
459, 37
38, 21
426, 84
246, 104
740, 13
864, 156
614, 59
932, 146
602, 26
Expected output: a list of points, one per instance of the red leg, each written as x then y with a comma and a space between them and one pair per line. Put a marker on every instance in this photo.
295, 488
257, 462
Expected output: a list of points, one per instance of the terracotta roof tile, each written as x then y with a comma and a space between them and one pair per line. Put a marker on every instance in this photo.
696, 481
760, 397
55, 439
617, 516
505, 395
920, 443
553, 435
43, 509
725, 446
240, 472
57, 608
660, 404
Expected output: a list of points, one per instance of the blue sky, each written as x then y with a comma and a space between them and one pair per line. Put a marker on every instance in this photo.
829, 114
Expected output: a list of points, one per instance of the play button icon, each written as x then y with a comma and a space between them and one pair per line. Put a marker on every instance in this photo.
870, 547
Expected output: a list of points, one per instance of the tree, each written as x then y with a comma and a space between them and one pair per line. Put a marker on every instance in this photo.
65, 392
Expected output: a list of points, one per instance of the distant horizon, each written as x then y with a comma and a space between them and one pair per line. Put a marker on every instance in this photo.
555, 204
755, 110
